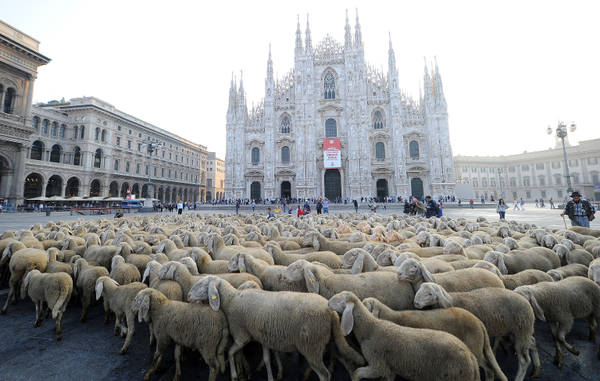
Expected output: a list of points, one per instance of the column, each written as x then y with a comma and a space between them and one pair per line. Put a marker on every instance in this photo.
63, 191
44, 189
16, 194
2, 101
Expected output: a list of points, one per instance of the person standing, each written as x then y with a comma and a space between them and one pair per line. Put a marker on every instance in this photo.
237, 206
355, 205
501, 208
471, 203
406, 207
516, 205
551, 203
319, 206
579, 210
326, 205
253, 206
522, 204
179, 207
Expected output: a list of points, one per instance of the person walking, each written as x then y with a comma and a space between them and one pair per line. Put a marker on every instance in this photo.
579, 210
355, 205
471, 202
516, 205
522, 204
501, 208
253, 206
551, 203
537, 203
179, 207
237, 207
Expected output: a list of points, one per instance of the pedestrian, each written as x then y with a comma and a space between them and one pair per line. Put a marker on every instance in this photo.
406, 207
300, 212
459, 203
471, 202
537, 203
237, 206
501, 208
253, 205
319, 206
551, 203
179, 207
432, 208
270, 214
326, 205
522, 204
542, 203
482, 199
579, 210
516, 205
355, 205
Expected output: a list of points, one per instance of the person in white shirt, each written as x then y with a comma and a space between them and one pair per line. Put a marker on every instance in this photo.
179, 207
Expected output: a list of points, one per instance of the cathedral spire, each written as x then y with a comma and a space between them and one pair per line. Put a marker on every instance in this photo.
270, 66
391, 55
241, 93
392, 71
427, 90
357, 34
348, 34
232, 90
299, 48
308, 41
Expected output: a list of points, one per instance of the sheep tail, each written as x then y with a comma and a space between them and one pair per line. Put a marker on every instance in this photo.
489, 356
63, 298
340, 342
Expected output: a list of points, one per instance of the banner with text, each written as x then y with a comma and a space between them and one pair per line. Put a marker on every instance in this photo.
332, 153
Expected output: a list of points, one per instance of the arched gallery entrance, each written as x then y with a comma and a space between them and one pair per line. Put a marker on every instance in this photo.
416, 187
333, 184
286, 189
33, 186
255, 191
382, 189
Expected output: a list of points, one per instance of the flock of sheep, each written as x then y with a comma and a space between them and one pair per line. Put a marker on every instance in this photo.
425, 299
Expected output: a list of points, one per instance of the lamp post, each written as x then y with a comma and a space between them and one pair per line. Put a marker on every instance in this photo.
148, 205
561, 132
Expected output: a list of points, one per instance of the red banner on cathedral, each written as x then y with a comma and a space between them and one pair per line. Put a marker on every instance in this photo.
332, 153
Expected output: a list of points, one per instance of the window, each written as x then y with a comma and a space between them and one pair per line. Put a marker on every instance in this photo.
528, 194
285, 124
37, 150
9, 100
55, 154
557, 180
116, 166
138, 168
475, 183
127, 165
45, 124
118, 141
170, 155
61, 132
413, 148
139, 147
129, 144
75, 134
118, 128
560, 193
54, 129
285, 154
97, 136
379, 151
162, 172
148, 171
483, 169
511, 169
484, 182
154, 171
513, 182
103, 138
255, 155
541, 181
493, 182
377, 120
329, 86
129, 132
526, 181
539, 166
591, 160
98, 158
525, 167
473, 169
82, 130
573, 162
543, 194
330, 128
556, 164
77, 156
35, 123
595, 179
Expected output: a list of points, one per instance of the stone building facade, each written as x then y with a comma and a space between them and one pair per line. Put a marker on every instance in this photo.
19, 61
215, 178
87, 147
391, 144
533, 175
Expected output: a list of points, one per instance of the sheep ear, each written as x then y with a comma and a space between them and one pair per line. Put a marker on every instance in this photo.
444, 299
242, 264
144, 309
312, 284
99, 286
161, 247
213, 296
25, 285
358, 266
502, 265
186, 240
316, 243
427, 277
537, 309
146, 273
348, 319
6, 252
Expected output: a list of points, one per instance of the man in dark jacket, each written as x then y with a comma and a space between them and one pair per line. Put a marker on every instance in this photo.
579, 210
432, 207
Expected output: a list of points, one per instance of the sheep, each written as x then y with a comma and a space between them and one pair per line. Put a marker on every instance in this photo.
329, 258
102, 255
169, 288
434, 265
179, 272
594, 271
207, 265
392, 350
503, 312
574, 269
456, 321
360, 261
512, 281
454, 281
55, 266
220, 251
171, 250
520, 260
560, 303
190, 325
53, 289
123, 273
270, 276
382, 285
118, 299
586, 231
320, 243
279, 321
579, 256
22, 260
85, 276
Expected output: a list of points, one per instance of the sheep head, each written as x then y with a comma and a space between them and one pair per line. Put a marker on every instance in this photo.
373, 306
141, 304
496, 258
151, 266
302, 269
432, 294
527, 293
357, 259
511, 243
190, 265
562, 251
100, 285
594, 271
414, 271
488, 266
555, 275
344, 303
116, 261
206, 289
387, 258
453, 247
548, 241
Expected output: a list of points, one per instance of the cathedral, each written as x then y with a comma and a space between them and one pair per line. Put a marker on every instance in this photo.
336, 127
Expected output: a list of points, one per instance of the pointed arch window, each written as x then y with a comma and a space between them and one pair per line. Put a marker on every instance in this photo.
377, 120
285, 124
45, 124
82, 130
329, 86
55, 153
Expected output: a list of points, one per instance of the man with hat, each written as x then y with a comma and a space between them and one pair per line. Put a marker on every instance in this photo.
579, 210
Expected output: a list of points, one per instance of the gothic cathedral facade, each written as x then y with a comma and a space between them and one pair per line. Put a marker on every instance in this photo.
389, 144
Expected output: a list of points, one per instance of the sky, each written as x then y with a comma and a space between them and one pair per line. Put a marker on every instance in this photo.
510, 69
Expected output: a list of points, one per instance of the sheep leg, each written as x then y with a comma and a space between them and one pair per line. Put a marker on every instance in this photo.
152, 338
279, 366
562, 332
13, 282
238, 343
558, 356
157, 359
535, 357
593, 328
267, 361
58, 325
315, 361
130, 331
365, 372
522, 349
38, 315
85, 303
177, 375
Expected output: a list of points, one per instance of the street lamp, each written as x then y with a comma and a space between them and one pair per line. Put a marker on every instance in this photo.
148, 206
561, 132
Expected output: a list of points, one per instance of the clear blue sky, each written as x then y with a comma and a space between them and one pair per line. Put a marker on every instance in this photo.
509, 68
